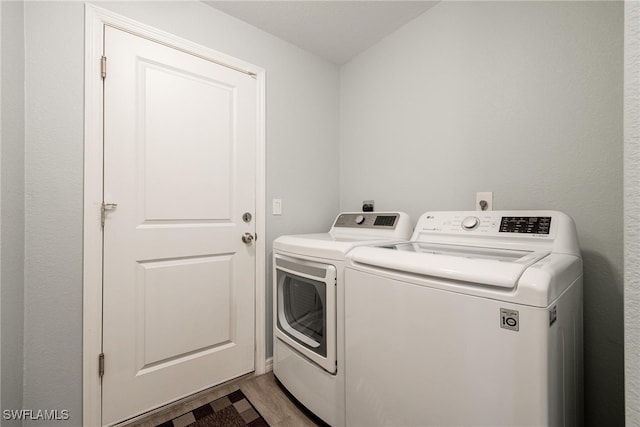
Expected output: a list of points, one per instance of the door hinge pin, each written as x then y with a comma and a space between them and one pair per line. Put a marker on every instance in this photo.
103, 67
101, 365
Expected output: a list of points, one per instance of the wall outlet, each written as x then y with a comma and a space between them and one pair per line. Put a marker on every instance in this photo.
276, 206
484, 201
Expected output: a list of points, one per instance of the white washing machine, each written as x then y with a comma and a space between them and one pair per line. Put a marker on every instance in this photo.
477, 321
309, 306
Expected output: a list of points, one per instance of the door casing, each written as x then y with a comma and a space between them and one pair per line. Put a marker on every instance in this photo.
95, 20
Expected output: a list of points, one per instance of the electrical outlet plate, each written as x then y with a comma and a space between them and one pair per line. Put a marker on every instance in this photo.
368, 206
487, 196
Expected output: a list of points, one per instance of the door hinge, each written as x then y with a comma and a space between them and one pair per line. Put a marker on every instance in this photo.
101, 365
103, 67
103, 215
103, 211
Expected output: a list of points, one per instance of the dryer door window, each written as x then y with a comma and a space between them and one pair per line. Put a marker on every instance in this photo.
303, 312
305, 308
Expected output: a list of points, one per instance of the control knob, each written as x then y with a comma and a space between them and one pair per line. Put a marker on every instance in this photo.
470, 223
359, 219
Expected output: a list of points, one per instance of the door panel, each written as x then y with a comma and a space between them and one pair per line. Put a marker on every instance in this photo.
179, 152
184, 135
192, 324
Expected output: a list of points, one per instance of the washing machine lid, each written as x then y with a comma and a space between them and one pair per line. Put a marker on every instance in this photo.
470, 264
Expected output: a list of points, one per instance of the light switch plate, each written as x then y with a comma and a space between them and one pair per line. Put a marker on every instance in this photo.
276, 206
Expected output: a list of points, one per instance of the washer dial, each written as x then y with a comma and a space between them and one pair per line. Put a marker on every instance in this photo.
470, 223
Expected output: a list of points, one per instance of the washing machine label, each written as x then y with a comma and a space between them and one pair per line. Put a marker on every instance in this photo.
509, 319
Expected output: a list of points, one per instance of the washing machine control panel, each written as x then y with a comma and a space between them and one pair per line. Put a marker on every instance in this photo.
525, 224
513, 224
542, 230
493, 223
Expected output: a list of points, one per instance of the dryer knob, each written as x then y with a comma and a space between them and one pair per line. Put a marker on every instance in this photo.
470, 223
359, 219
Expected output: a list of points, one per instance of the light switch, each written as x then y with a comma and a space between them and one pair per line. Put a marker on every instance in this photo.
276, 206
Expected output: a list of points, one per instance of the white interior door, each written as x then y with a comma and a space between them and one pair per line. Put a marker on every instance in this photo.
179, 156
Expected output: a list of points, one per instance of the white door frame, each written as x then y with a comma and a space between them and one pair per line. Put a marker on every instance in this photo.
95, 19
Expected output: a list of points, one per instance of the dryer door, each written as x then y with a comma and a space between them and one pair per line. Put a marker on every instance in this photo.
305, 315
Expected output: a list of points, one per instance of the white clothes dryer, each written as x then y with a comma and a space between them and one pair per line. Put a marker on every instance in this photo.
477, 321
308, 291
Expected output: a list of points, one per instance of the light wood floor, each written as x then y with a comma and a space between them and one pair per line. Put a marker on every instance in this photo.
262, 391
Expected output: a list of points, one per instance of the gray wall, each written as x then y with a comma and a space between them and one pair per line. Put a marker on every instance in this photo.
520, 98
53, 208
632, 212
302, 148
12, 203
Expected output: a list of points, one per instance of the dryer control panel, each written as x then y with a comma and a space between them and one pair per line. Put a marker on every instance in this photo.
371, 225
367, 220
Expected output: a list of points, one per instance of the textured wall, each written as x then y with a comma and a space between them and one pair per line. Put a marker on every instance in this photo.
632, 212
12, 202
302, 147
53, 208
520, 98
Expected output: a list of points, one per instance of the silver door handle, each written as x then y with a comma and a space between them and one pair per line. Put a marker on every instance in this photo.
247, 238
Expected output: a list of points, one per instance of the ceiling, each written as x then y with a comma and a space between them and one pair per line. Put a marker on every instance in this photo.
334, 30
